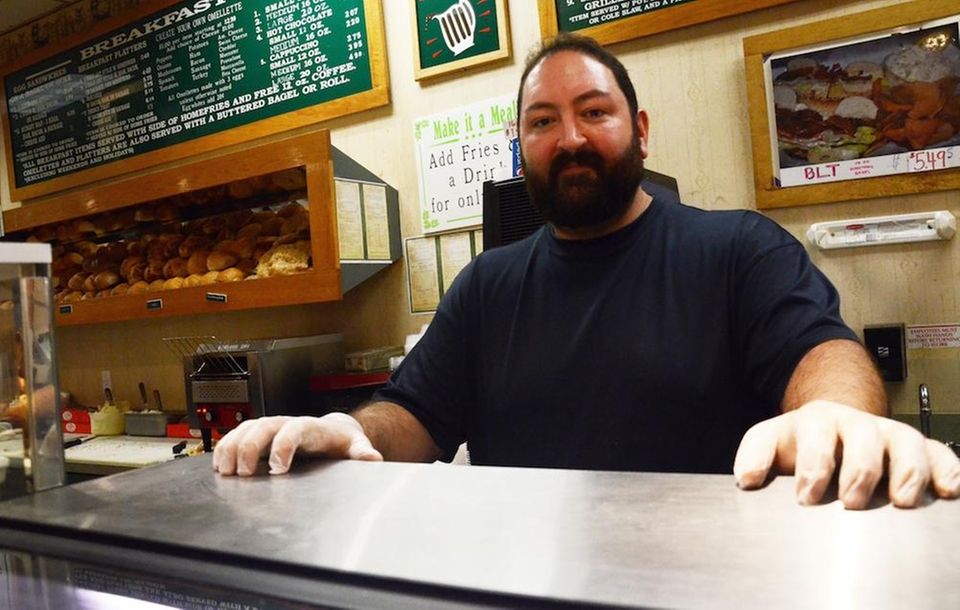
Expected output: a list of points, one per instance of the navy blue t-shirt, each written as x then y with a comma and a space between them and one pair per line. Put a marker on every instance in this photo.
653, 349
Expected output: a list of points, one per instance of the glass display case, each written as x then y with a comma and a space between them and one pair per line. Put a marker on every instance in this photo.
286, 222
31, 444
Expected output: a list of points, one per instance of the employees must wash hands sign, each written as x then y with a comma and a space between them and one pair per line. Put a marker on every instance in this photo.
457, 151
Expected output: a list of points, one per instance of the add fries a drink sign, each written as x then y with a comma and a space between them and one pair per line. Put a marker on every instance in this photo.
457, 151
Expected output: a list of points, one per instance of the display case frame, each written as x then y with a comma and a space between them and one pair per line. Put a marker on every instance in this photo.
248, 130
320, 283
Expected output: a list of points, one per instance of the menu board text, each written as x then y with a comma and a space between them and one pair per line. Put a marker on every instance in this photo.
193, 69
574, 15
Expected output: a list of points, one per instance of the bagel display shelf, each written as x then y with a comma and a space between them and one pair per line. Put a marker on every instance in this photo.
129, 223
255, 228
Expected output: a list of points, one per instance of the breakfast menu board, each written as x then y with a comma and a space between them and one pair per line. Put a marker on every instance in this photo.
192, 69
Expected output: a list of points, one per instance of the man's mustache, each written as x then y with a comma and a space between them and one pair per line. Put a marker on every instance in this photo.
582, 157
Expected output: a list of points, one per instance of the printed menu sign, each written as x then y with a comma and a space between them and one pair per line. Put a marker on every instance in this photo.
573, 15
193, 69
434, 261
457, 151
881, 106
933, 336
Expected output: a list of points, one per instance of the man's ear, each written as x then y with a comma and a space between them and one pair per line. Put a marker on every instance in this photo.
643, 128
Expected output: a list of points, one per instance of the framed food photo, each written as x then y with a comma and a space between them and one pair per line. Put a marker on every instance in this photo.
857, 107
452, 35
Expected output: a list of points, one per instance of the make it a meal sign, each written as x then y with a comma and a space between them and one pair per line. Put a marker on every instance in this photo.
457, 151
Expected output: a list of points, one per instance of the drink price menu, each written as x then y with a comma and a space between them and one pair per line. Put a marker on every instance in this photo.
190, 70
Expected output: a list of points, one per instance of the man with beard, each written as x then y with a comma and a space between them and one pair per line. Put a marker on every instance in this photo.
631, 332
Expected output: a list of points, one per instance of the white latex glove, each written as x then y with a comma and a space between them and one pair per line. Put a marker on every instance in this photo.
810, 440
336, 435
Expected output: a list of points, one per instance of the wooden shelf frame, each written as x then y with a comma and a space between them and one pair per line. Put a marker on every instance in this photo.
378, 95
321, 283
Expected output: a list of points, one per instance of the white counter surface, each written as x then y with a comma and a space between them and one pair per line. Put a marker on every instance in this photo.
115, 453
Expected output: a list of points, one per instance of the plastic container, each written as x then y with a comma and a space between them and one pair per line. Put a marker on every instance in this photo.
374, 359
344, 391
107, 422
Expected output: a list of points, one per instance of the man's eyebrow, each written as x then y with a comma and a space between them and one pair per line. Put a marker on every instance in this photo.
583, 97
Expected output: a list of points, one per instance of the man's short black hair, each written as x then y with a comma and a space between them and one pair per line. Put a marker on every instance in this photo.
587, 46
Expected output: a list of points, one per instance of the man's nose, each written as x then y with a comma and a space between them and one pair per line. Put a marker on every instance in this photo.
571, 137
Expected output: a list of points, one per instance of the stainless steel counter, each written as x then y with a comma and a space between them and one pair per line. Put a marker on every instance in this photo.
546, 535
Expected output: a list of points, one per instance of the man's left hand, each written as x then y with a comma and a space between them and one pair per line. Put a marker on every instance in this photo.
811, 440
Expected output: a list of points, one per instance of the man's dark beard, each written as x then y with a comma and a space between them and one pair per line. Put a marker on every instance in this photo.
583, 200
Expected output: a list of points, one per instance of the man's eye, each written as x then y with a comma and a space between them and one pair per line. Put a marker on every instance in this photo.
595, 113
541, 122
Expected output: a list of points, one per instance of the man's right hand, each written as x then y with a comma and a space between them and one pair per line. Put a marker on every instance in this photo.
336, 435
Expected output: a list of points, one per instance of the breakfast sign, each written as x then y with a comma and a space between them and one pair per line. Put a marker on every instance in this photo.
190, 69
876, 107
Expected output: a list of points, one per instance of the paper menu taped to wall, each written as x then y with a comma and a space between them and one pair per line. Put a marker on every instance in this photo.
433, 262
362, 220
455, 253
349, 219
376, 224
423, 274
